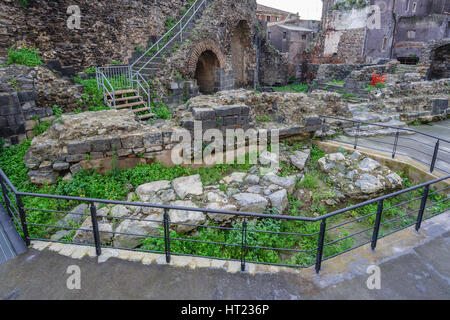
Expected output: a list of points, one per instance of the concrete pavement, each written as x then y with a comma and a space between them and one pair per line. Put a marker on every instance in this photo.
413, 266
417, 147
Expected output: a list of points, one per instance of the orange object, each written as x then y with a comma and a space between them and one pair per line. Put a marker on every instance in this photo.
377, 79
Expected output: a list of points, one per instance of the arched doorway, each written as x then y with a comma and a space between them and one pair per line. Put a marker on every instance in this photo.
240, 46
440, 65
205, 72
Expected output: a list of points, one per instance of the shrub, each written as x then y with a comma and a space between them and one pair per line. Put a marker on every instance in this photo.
41, 127
57, 111
24, 56
161, 111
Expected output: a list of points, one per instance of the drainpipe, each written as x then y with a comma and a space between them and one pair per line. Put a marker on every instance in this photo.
394, 32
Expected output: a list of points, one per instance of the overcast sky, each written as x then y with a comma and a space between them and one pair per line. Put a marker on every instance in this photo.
308, 9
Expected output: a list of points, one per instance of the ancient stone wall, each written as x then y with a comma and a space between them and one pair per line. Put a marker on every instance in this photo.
226, 29
50, 87
110, 139
110, 30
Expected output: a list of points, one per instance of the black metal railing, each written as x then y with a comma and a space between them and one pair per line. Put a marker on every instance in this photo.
309, 240
422, 147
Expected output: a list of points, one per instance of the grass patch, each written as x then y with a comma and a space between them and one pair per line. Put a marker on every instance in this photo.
293, 88
336, 82
24, 56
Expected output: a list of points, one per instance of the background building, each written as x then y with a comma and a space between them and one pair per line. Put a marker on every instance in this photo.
406, 26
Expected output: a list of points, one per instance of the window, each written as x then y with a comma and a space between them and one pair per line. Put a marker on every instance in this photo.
383, 46
268, 35
303, 36
411, 34
407, 5
284, 35
268, 18
414, 7
276, 18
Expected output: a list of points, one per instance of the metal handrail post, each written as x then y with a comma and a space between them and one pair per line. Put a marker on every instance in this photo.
97, 240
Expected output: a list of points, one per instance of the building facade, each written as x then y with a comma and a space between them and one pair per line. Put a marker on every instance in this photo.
382, 29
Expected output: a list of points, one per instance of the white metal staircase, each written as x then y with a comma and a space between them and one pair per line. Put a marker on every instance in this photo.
114, 80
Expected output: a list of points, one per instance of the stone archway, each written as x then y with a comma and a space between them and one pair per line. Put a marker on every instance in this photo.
440, 63
205, 72
240, 46
205, 58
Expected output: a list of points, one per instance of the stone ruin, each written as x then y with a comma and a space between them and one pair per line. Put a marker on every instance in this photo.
93, 139
259, 189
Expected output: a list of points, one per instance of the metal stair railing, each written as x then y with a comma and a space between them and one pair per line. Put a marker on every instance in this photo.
114, 77
143, 88
180, 25
104, 75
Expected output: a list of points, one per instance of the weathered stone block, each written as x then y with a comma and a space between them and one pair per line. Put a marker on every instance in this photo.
229, 121
188, 124
313, 121
76, 158
96, 155
115, 144
440, 106
203, 113
245, 111
61, 166
75, 168
25, 96
224, 111
132, 142
153, 139
79, 147
37, 177
46, 166
124, 152
101, 145
209, 124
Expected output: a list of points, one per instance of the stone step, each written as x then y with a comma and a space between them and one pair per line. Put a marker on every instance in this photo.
130, 105
146, 116
125, 99
142, 109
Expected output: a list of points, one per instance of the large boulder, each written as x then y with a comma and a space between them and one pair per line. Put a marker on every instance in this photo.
105, 230
136, 232
75, 216
220, 218
185, 216
286, 182
279, 200
299, 158
251, 202
147, 191
186, 186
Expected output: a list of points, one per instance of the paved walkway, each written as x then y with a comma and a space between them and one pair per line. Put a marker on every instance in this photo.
10, 243
413, 266
417, 147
